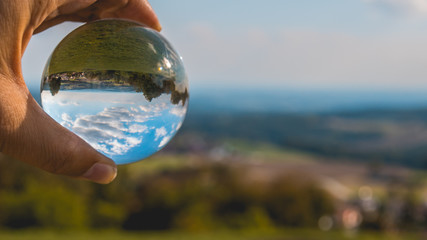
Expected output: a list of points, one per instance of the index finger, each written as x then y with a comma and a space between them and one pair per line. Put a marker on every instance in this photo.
136, 10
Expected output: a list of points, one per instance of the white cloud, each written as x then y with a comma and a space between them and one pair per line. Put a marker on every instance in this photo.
407, 6
66, 118
305, 58
164, 141
66, 103
156, 107
67, 121
178, 126
106, 132
178, 111
121, 148
136, 128
160, 132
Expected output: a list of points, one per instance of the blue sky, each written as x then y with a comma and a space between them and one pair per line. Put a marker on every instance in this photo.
290, 44
122, 125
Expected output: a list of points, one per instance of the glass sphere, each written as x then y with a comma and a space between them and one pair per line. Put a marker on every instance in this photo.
118, 85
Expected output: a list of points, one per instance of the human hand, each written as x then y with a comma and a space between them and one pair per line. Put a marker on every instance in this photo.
27, 133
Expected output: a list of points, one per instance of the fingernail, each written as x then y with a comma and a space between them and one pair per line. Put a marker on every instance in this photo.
158, 27
101, 173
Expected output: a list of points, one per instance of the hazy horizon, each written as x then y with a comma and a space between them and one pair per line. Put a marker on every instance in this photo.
298, 100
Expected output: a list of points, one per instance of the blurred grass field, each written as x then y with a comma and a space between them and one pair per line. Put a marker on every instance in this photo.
290, 234
235, 191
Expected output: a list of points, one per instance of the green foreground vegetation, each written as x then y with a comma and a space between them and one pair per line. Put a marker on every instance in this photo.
290, 234
236, 191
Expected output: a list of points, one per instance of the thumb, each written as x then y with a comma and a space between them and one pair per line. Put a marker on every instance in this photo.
28, 134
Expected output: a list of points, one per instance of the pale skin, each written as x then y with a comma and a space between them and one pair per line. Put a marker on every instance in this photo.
27, 133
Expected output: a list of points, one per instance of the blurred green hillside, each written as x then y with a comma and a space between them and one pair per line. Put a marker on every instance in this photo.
323, 176
390, 137
243, 189
160, 194
286, 234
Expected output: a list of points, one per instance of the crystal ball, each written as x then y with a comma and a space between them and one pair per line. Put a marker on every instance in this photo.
118, 85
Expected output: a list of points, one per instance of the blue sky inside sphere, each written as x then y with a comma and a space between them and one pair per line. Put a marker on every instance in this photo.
122, 125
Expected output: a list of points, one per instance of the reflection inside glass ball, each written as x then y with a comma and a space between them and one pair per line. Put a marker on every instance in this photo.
119, 86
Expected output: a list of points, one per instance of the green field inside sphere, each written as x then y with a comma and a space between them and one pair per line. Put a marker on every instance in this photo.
110, 45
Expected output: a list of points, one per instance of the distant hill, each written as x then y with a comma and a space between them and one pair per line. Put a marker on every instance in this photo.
303, 101
380, 132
